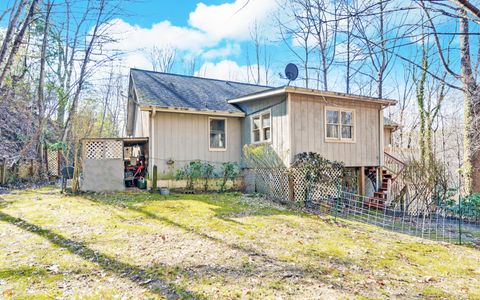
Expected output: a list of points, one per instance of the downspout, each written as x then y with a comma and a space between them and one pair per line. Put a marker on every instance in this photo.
289, 128
380, 146
152, 139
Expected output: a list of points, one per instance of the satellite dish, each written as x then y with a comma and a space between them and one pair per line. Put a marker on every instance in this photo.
291, 71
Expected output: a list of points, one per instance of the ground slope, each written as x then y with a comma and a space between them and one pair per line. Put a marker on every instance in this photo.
213, 246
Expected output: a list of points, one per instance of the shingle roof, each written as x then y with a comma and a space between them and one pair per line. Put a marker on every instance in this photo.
171, 90
389, 122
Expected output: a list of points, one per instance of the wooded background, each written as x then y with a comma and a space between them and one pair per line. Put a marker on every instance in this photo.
61, 78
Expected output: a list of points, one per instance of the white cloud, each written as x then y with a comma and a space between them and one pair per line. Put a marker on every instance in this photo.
225, 69
228, 50
163, 34
231, 20
214, 32
230, 70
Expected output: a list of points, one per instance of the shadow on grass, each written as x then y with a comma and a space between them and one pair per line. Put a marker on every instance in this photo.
244, 249
146, 278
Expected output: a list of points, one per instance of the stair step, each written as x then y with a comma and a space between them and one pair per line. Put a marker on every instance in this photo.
375, 202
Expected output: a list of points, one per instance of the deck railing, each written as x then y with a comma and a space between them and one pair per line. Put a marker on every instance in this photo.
396, 186
403, 154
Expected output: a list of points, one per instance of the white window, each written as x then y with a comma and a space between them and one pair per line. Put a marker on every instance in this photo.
262, 127
339, 124
217, 132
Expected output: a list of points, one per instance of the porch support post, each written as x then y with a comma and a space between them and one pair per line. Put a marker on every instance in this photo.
379, 177
361, 181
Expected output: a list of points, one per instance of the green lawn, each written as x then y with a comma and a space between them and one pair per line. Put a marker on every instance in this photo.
139, 245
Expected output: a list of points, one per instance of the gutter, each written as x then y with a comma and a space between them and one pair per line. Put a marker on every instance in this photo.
312, 92
185, 110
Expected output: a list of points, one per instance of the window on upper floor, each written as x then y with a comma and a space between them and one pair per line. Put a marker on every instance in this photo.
339, 124
262, 127
217, 132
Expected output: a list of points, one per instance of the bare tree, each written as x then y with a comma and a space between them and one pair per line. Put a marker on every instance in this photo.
17, 41
97, 37
189, 65
162, 59
471, 165
324, 20
298, 33
41, 90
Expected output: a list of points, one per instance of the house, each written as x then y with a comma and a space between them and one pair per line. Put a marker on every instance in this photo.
189, 118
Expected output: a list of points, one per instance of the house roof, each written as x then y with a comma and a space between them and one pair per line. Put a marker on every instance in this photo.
389, 122
166, 90
307, 91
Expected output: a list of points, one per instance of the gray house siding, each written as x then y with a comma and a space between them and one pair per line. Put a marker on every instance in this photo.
307, 121
279, 126
183, 137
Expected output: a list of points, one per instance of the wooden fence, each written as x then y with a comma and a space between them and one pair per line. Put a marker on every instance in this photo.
21, 169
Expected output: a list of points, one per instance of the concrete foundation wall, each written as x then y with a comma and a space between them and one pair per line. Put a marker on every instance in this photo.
101, 175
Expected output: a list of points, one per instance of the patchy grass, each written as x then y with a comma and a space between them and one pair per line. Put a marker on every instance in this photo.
140, 245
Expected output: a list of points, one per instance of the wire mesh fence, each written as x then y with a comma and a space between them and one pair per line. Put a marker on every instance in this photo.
435, 220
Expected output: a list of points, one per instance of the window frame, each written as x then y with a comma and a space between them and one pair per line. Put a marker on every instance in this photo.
341, 139
209, 134
260, 115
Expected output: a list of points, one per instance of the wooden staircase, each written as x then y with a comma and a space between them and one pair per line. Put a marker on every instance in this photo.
379, 198
391, 186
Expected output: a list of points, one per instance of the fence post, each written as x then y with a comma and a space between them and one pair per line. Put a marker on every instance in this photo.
45, 157
460, 219
59, 162
154, 178
31, 167
291, 187
3, 170
337, 201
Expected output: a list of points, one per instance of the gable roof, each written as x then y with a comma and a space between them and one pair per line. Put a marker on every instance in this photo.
166, 90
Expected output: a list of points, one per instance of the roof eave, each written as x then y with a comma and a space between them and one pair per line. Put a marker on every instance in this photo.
259, 95
304, 91
192, 111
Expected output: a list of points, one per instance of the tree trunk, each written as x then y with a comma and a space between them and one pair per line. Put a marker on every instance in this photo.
10, 29
471, 167
17, 42
40, 97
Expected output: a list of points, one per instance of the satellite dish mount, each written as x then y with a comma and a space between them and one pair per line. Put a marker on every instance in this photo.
291, 72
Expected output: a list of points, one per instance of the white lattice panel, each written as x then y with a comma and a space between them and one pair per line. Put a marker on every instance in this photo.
275, 183
94, 150
52, 161
113, 149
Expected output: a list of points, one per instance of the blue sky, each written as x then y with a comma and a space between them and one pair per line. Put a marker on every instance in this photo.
148, 12
216, 34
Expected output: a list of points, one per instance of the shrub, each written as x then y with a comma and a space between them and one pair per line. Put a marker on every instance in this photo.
191, 172
317, 169
261, 156
469, 207
207, 173
230, 171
